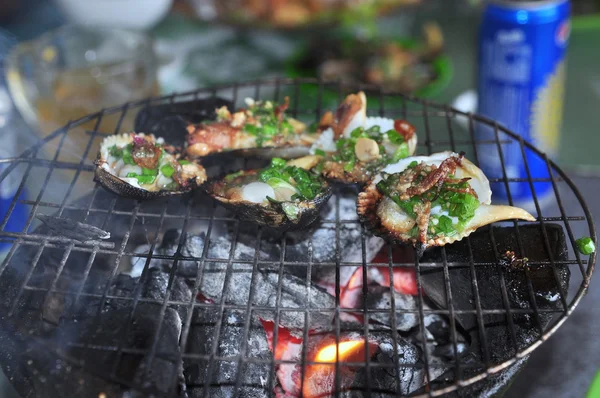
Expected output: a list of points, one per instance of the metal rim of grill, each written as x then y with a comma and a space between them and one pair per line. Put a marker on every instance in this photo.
406, 107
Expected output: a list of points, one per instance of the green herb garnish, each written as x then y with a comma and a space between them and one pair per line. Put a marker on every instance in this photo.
184, 162
451, 198
278, 173
320, 152
127, 156
395, 137
167, 170
142, 179
585, 245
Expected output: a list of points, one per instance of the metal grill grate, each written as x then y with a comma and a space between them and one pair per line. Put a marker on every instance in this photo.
60, 296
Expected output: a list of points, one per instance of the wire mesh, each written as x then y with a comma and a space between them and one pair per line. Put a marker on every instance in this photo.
60, 295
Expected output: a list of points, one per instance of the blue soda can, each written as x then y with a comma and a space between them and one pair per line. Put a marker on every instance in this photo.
522, 48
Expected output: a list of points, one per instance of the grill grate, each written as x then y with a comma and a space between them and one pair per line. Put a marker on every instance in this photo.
59, 294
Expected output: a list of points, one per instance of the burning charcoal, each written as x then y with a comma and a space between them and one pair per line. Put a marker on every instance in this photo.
319, 379
170, 121
203, 338
294, 293
380, 298
73, 229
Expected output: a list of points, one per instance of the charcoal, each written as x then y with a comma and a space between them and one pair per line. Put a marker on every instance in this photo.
295, 293
225, 373
73, 229
488, 277
171, 120
380, 298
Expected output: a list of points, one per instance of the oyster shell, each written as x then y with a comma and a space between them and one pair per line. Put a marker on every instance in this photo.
447, 196
262, 129
356, 147
275, 202
154, 173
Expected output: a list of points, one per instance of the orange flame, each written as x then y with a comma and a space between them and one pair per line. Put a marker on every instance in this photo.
319, 379
345, 350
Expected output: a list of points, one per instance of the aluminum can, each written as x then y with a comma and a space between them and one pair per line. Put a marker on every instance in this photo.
521, 80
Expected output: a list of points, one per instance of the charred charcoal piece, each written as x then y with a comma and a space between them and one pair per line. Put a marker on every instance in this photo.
380, 298
228, 342
73, 229
171, 120
542, 277
410, 373
295, 293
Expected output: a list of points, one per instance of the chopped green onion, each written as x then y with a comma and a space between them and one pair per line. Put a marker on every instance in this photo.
319, 152
278, 162
127, 156
184, 162
146, 179
233, 176
395, 137
586, 245
349, 166
115, 151
413, 164
252, 129
445, 225
400, 153
167, 170
142, 179
149, 172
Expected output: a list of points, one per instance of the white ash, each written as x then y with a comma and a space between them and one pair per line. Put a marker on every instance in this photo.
380, 298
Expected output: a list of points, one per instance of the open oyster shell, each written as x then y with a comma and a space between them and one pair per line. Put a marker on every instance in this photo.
116, 167
262, 130
355, 156
272, 206
385, 218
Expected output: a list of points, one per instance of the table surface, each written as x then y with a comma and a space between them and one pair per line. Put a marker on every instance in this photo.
565, 364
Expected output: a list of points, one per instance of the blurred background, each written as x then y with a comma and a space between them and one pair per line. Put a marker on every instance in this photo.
426, 48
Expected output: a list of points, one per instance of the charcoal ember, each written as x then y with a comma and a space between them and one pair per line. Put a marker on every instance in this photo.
170, 121
227, 342
396, 365
406, 374
380, 298
236, 286
73, 229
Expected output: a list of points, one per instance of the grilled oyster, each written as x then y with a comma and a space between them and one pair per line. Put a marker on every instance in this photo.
262, 129
140, 167
355, 147
283, 196
431, 201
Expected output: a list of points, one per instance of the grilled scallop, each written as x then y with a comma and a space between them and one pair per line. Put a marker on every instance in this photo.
138, 166
262, 129
355, 147
431, 201
283, 196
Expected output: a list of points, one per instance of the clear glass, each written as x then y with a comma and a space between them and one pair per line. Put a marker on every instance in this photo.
75, 70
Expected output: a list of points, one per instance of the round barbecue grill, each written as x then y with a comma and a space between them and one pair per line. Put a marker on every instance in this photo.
183, 299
